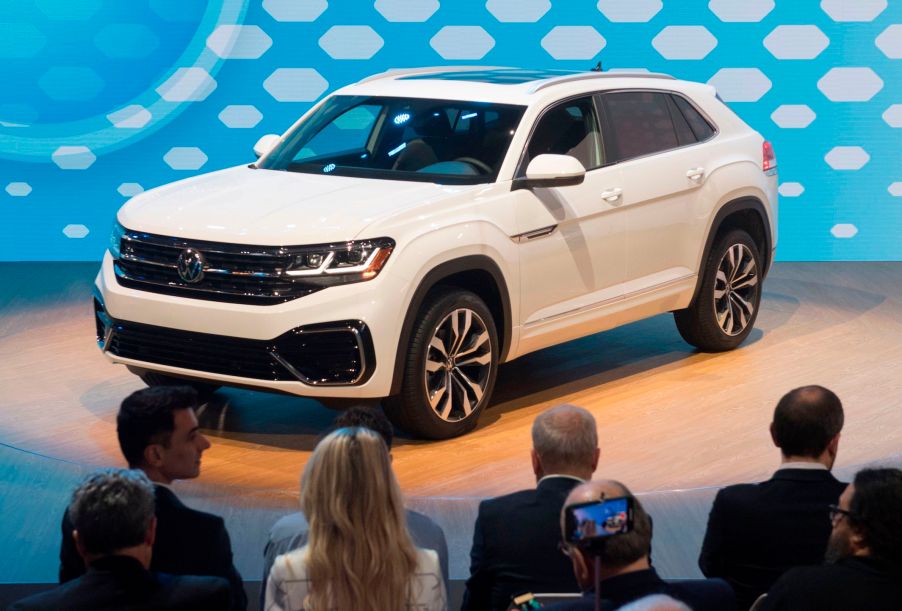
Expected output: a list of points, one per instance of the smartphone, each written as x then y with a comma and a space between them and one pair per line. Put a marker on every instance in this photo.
586, 522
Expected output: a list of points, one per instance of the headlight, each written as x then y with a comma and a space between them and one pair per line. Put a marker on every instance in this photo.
340, 263
116, 239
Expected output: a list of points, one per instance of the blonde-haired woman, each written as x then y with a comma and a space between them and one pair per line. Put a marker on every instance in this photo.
359, 555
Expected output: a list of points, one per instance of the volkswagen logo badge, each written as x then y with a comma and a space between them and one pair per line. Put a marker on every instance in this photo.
191, 266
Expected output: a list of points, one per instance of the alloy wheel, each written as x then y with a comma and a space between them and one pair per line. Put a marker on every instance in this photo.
735, 289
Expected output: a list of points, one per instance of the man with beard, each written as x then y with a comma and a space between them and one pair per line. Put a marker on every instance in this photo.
863, 567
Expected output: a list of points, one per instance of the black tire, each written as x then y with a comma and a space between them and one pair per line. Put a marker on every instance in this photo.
155, 378
471, 382
714, 321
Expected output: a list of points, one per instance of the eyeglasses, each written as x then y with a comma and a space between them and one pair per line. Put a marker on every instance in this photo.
836, 512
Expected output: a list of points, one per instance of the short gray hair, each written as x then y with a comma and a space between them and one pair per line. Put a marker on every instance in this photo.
656, 602
112, 509
565, 436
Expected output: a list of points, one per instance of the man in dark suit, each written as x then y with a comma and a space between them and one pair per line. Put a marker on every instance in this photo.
114, 526
515, 538
864, 554
158, 434
624, 566
758, 531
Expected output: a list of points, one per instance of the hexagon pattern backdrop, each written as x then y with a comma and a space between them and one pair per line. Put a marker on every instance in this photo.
102, 99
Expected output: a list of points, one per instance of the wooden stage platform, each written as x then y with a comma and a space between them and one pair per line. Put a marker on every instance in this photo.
673, 424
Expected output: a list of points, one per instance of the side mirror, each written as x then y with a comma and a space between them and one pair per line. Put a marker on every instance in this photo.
265, 144
552, 171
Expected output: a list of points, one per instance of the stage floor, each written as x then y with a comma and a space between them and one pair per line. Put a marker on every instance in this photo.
669, 418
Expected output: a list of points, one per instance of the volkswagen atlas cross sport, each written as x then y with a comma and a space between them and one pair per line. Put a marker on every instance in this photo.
416, 229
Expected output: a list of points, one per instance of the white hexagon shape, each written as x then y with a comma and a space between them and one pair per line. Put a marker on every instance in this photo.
18, 189
634, 11
73, 157
684, 42
791, 189
518, 11
185, 158
130, 189
890, 41
747, 11
462, 42
407, 11
75, 231
793, 116
796, 42
893, 115
187, 85
740, 84
847, 158
126, 41
239, 41
895, 189
71, 83
844, 230
295, 10
573, 42
351, 42
240, 116
850, 84
853, 10
134, 116
295, 84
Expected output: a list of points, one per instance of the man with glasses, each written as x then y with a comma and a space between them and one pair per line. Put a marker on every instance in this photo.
863, 567
758, 531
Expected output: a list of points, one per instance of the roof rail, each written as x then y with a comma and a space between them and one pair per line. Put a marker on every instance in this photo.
557, 80
398, 72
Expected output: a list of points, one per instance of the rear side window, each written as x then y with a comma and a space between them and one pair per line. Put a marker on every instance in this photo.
640, 124
700, 127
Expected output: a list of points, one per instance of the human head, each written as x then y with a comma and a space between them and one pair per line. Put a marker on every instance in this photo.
621, 553
656, 602
158, 433
357, 522
113, 511
870, 519
368, 418
564, 441
807, 422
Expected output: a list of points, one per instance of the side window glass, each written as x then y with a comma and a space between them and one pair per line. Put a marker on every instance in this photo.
640, 123
349, 132
683, 131
700, 127
571, 128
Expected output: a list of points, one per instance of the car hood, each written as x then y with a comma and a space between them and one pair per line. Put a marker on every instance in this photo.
269, 207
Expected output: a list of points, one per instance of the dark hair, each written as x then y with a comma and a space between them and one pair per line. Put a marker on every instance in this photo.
146, 417
368, 418
112, 509
875, 511
622, 550
805, 421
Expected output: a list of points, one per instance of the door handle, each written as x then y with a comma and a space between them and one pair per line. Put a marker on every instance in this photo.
612, 195
695, 173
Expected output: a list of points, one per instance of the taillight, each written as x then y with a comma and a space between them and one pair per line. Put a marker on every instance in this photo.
769, 160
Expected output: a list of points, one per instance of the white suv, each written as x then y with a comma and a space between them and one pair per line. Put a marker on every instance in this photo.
416, 229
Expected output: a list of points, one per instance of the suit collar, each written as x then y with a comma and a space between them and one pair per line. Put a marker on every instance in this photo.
165, 496
804, 475
558, 482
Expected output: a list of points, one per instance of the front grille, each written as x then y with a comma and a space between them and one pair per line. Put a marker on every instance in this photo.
328, 354
234, 273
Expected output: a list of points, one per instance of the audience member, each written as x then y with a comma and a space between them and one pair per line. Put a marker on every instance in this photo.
290, 532
158, 434
758, 531
656, 602
112, 513
359, 554
625, 571
864, 553
515, 541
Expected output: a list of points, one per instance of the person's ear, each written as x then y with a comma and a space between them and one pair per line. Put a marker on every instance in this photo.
153, 455
595, 459
536, 463
79, 545
773, 436
833, 446
151, 535
581, 570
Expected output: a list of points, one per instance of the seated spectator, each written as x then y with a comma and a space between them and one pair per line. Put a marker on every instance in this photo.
359, 554
290, 532
515, 541
864, 553
626, 574
656, 602
112, 513
758, 531
158, 434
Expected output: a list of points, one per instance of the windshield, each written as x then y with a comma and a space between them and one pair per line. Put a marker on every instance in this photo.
441, 141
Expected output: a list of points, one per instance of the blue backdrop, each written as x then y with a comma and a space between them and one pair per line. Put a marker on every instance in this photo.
101, 99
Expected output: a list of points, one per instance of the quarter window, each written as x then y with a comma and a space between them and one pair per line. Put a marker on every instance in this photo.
571, 129
700, 127
640, 124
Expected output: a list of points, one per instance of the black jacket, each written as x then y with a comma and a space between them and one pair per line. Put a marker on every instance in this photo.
758, 531
515, 547
189, 542
121, 583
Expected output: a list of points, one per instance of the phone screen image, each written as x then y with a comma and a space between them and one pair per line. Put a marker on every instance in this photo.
602, 519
